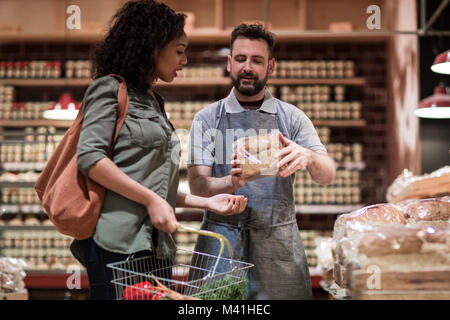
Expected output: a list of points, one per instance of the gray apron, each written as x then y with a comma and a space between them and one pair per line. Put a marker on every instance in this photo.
266, 233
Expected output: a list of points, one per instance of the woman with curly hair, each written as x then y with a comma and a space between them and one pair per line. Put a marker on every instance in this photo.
146, 42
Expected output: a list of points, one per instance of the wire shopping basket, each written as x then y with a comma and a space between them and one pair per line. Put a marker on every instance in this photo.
189, 275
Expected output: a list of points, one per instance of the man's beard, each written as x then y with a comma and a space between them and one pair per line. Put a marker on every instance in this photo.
249, 90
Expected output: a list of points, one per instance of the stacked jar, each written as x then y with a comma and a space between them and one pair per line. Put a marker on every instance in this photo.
184, 110
36, 69
317, 104
345, 189
201, 72
38, 146
80, 69
314, 69
41, 249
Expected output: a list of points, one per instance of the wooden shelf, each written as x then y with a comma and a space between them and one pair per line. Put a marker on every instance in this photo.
208, 82
340, 123
326, 208
177, 123
35, 123
212, 35
18, 184
24, 227
61, 82
21, 209
22, 166
330, 81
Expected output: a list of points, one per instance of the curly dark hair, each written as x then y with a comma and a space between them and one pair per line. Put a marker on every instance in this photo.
139, 30
253, 31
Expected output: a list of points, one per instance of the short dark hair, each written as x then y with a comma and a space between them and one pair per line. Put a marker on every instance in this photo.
139, 29
253, 31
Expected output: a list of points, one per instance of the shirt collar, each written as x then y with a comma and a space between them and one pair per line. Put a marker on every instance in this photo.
233, 106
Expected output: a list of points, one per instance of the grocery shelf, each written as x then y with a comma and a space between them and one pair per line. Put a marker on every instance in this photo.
208, 82
179, 124
22, 166
23, 295
17, 184
49, 279
218, 81
351, 165
326, 208
212, 35
35, 123
21, 208
25, 227
52, 279
182, 214
60, 82
307, 81
340, 123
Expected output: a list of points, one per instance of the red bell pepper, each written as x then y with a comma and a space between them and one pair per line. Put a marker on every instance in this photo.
142, 291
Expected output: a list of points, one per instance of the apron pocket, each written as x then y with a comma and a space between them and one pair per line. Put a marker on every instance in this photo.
145, 128
278, 244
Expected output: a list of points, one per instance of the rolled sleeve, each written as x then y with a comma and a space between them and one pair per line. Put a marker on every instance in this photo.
201, 141
304, 132
99, 118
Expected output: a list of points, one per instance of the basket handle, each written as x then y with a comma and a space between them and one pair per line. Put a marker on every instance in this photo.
218, 236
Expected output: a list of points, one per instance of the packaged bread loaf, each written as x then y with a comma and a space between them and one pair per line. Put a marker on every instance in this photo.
390, 240
378, 213
433, 209
256, 155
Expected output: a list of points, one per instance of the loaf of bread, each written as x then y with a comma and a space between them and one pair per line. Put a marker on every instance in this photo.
428, 210
383, 213
390, 241
430, 225
256, 155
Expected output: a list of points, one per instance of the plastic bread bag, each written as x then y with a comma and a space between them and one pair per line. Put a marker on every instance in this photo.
12, 274
393, 246
382, 213
323, 251
400, 183
430, 210
407, 178
256, 155
351, 227
366, 217
402, 248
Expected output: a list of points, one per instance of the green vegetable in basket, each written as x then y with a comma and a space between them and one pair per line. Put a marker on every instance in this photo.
226, 288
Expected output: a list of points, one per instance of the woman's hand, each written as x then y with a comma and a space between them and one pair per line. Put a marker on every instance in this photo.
162, 215
226, 204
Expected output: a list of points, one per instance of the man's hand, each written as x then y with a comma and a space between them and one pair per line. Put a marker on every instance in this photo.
226, 204
293, 156
236, 174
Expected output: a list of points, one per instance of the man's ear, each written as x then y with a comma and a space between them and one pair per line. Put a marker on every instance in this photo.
229, 64
271, 68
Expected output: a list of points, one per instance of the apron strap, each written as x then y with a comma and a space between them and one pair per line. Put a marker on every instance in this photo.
219, 108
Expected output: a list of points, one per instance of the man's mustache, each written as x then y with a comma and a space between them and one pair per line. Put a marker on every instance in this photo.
247, 75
